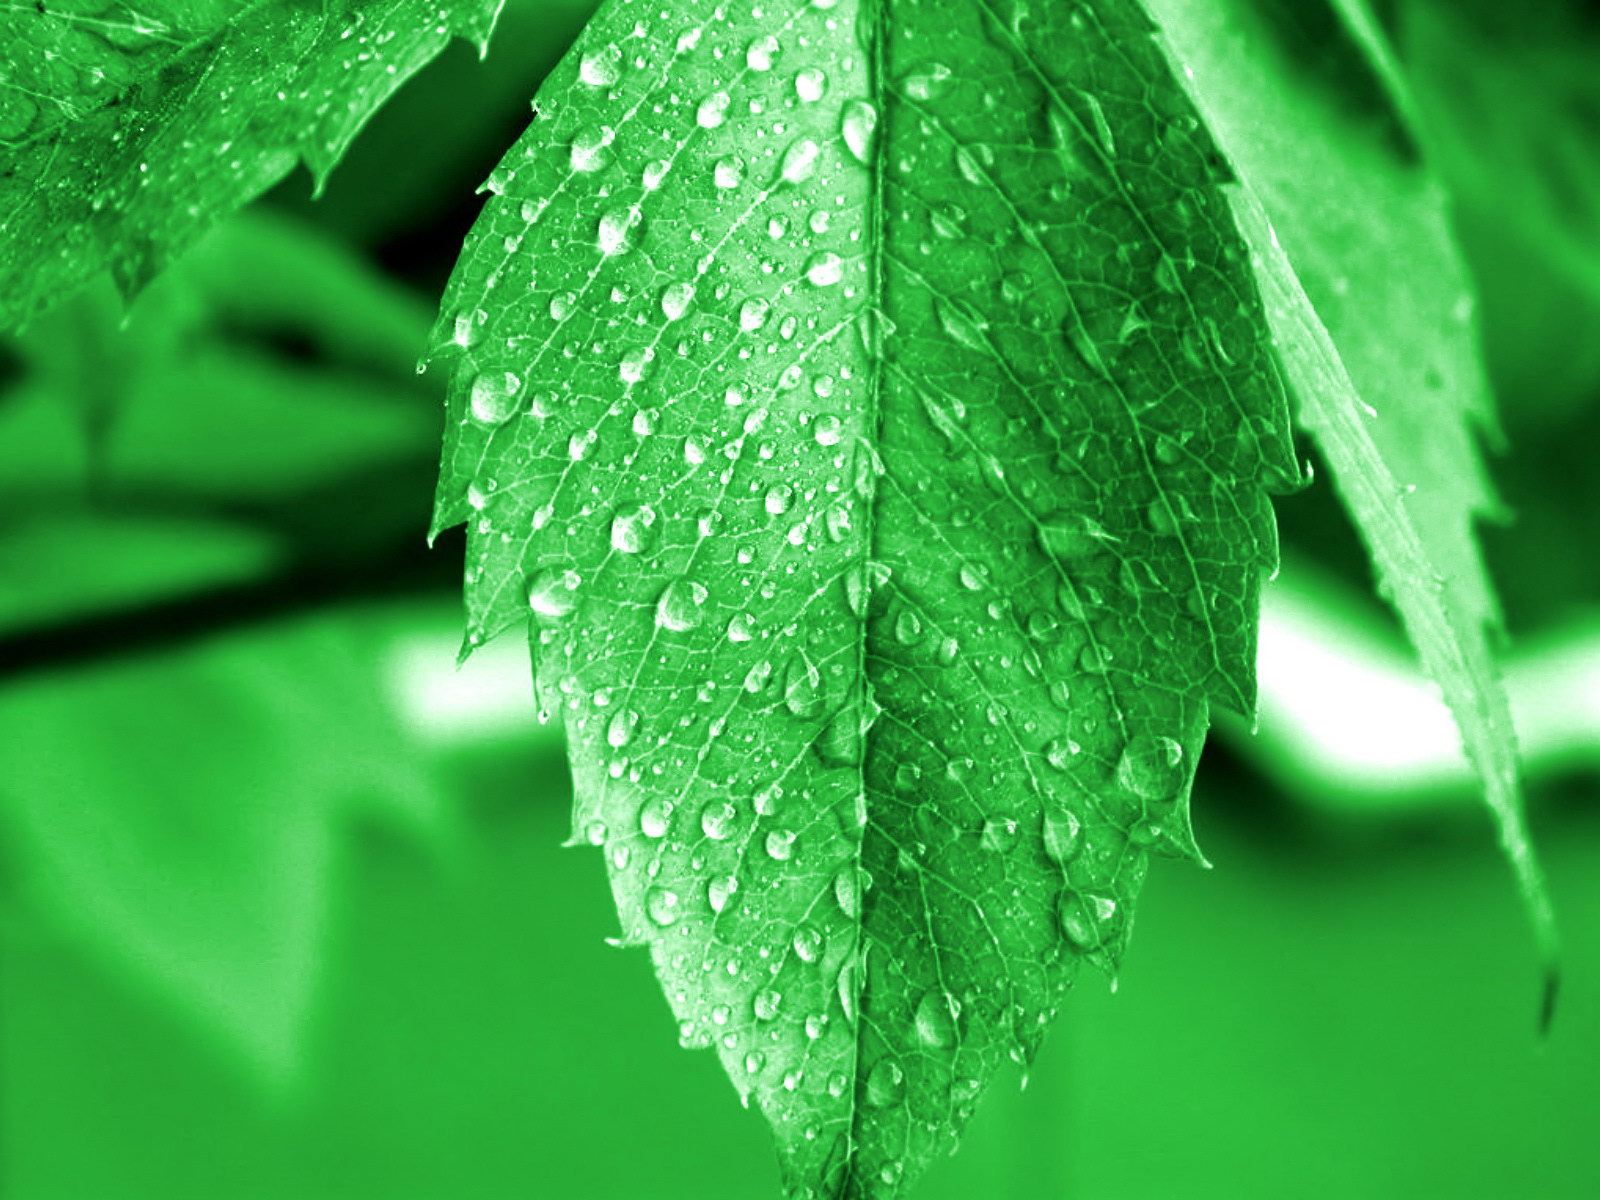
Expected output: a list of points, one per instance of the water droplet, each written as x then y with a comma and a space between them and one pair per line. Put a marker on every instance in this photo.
1102, 127
494, 396
802, 687
761, 52
754, 1061
601, 66
719, 820
617, 230
858, 120
680, 605
780, 844
974, 576
1070, 536
561, 305
591, 148
1087, 920
999, 833
719, 891
624, 724
886, 1084
654, 172
676, 299
662, 905
741, 627
553, 591
926, 82
1062, 835
1151, 767
728, 172
908, 628
935, 1019
655, 817
779, 497
1062, 753
828, 430
1159, 515
847, 892
713, 110
753, 314
808, 943
824, 269
964, 327
800, 161
811, 84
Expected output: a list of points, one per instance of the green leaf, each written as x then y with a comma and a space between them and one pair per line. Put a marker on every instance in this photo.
873, 405
1359, 221
126, 129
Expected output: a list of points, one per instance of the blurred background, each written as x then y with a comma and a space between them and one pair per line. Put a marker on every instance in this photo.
284, 910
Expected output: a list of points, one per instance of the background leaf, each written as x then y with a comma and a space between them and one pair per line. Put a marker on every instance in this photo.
1363, 228
873, 406
125, 131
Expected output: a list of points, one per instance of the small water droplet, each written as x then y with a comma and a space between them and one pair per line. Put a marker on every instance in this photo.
741, 627
802, 687
908, 628
1061, 753
1069, 536
999, 833
1087, 919
847, 892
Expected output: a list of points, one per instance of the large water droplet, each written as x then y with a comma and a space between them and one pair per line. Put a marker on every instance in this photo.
753, 314
720, 891
718, 820
624, 724
676, 299
886, 1084
828, 429
811, 85
713, 110
634, 529
824, 269
655, 817
935, 1019
858, 120
728, 173
926, 81
800, 161
1151, 767
1062, 835
617, 229
662, 906
591, 148
1062, 753
847, 892
741, 627
1087, 920
553, 591
601, 66
767, 1003
780, 844
680, 606
802, 687
494, 397
808, 943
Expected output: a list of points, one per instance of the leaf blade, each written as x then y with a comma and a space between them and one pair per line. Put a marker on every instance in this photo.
882, 589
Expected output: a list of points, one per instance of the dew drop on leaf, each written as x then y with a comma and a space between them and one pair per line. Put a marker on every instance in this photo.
935, 1019
662, 905
886, 1084
634, 529
1151, 767
680, 607
811, 84
601, 66
824, 269
494, 397
553, 591
858, 120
